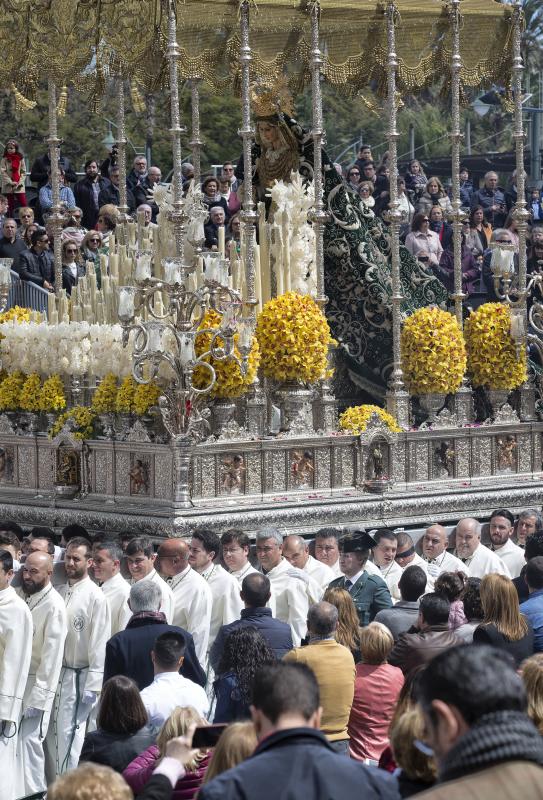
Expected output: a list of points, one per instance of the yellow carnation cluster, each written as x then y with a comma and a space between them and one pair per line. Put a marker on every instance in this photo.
230, 381
492, 357
83, 419
52, 396
17, 313
124, 403
31, 393
105, 397
293, 336
10, 391
433, 352
145, 397
355, 419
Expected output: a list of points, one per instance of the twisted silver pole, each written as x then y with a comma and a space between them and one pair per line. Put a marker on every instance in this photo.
319, 216
456, 137
54, 154
397, 397
121, 149
249, 216
177, 215
195, 142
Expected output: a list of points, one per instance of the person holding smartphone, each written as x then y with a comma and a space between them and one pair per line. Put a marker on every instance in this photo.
422, 242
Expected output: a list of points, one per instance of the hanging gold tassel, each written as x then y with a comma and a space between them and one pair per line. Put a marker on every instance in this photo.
62, 102
22, 103
138, 103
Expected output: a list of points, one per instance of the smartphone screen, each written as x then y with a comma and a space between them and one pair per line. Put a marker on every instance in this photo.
207, 735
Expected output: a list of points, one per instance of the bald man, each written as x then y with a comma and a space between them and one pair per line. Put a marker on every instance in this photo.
296, 551
478, 560
50, 627
406, 556
106, 567
434, 551
192, 595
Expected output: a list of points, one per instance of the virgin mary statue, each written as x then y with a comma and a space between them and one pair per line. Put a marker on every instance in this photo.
357, 251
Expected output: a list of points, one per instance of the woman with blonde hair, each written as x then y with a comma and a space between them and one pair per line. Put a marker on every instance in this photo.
348, 629
141, 768
503, 625
532, 676
237, 743
377, 687
434, 195
418, 771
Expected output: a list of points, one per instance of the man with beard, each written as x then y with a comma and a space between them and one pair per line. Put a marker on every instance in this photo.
82, 670
15, 652
50, 628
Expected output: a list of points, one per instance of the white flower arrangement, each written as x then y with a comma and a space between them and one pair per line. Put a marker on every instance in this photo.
74, 348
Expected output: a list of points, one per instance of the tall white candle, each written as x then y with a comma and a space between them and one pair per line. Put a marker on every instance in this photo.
258, 278
221, 238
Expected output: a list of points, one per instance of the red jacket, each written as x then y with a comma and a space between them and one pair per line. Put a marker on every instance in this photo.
141, 768
376, 691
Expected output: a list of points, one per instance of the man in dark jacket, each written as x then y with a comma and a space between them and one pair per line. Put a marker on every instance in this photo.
10, 245
37, 264
111, 194
492, 200
255, 593
293, 758
87, 191
369, 592
474, 707
430, 636
129, 651
41, 169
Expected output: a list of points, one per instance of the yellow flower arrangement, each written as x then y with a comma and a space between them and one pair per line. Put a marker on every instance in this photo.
230, 381
124, 403
105, 396
492, 357
293, 336
145, 396
83, 419
355, 419
30, 393
433, 352
17, 313
10, 391
52, 397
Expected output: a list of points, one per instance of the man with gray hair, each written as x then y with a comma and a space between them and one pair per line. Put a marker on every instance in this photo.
529, 521
106, 567
129, 651
492, 200
291, 586
333, 665
478, 560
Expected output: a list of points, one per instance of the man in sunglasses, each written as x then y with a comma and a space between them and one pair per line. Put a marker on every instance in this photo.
37, 264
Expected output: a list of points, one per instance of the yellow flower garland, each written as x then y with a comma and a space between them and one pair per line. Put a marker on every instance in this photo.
230, 381
10, 391
83, 419
355, 419
293, 336
52, 397
433, 352
492, 356
145, 397
30, 393
105, 396
124, 403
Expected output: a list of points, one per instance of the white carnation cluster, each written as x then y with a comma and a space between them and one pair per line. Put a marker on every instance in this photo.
72, 349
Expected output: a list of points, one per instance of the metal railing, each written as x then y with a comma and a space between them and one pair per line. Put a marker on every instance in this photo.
26, 294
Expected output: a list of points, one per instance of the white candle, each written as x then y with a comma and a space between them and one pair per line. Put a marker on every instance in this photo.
126, 303
258, 279
221, 241
264, 253
51, 305
172, 272
54, 317
154, 338
143, 267
286, 253
158, 305
113, 265
186, 349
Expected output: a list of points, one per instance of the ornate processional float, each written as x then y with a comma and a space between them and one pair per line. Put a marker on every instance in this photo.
185, 387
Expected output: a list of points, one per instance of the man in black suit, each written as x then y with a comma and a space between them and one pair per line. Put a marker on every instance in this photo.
129, 651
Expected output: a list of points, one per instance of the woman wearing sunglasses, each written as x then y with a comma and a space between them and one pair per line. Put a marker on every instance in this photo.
73, 267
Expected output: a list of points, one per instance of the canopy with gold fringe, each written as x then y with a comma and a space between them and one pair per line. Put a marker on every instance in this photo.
81, 42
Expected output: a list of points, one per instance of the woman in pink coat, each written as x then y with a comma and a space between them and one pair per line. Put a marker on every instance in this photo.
141, 768
376, 689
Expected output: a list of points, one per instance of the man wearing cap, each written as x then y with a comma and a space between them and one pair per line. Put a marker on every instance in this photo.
370, 593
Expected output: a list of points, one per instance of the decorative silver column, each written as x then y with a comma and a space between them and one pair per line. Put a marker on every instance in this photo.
397, 397
177, 215
121, 149
54, 154
463, 400
521, 215
318, 217
195, 142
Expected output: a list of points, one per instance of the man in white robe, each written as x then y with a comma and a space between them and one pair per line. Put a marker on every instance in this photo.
327, 549
478, 560
383, 557
406, 556
501, 529
15, 655
50, 628
204, 547
235, 547
296, 551
140, 560
434, 552
106, 567
193, 600
82, 669
292, 587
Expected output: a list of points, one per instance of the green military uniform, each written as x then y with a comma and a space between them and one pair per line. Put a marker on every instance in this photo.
370, 594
